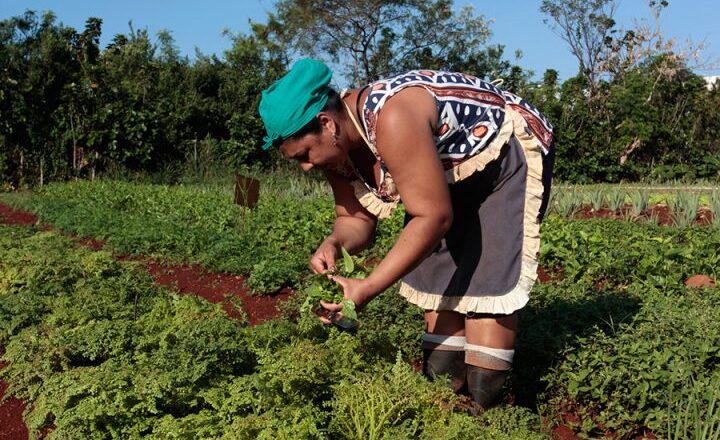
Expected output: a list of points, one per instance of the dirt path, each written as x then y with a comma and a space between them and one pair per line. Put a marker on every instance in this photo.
185, 279
12, 426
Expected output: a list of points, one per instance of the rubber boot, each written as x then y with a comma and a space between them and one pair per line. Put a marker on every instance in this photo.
485, 385
445, 363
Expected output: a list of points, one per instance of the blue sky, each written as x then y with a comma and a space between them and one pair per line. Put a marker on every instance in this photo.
517, 23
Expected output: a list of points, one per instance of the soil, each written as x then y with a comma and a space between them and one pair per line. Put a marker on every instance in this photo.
11, 411
562, 432
700, 281
544, 276
218, 288
11, 216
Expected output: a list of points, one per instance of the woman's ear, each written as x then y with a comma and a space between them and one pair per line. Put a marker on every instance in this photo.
328, 123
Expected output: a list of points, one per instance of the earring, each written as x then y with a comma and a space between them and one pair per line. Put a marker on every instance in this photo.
334, 140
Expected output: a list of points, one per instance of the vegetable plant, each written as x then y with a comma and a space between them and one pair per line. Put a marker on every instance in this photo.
322, 288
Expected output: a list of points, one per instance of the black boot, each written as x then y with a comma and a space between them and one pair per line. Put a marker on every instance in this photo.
445, 363
485, 385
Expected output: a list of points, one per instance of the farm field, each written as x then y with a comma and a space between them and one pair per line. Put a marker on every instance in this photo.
612, 342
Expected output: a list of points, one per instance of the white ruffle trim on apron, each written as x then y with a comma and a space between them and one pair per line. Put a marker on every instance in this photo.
518, 296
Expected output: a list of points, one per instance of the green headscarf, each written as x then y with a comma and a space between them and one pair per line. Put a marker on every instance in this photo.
294, 100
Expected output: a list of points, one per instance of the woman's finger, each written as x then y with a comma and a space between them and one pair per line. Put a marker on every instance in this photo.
319, 265
322, 264
342, 281
316, 265
331, 318
331, 307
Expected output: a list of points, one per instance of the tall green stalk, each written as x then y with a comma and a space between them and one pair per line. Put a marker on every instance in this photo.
697, 416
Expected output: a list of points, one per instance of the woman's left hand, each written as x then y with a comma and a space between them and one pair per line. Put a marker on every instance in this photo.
355, 289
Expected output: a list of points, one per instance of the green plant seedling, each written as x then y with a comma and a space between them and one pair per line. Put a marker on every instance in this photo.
322, 288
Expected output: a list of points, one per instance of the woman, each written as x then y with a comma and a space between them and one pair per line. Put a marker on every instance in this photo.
472, 166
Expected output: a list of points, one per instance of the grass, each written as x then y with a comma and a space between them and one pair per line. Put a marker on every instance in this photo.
698, 416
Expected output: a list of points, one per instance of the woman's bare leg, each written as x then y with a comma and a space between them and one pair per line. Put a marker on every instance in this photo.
496, 331
444, 323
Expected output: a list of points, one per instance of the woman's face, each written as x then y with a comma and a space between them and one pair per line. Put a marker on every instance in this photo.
315, 150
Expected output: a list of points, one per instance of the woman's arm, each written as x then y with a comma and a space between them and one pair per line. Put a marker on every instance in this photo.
406, 144
354, 227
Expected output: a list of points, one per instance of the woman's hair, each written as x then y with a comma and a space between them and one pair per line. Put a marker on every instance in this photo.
333, 104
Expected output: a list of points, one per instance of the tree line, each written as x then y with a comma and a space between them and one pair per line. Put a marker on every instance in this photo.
69, 108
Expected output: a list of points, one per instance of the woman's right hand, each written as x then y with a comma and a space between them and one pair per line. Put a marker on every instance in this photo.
323, 260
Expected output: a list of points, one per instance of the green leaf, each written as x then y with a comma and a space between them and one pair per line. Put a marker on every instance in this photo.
348, 263
348, 309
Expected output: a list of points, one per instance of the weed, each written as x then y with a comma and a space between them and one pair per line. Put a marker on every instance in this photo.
697, 416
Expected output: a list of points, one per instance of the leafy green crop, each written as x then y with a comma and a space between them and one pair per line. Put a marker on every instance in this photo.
100, 352
322, 288
270, 243
613, 338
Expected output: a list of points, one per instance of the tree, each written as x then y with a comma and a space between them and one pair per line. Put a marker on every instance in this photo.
585, 26
252, 64
38, 65
376, 37
80, 98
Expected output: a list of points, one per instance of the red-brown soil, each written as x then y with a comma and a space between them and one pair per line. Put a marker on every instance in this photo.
217, 288
545, 277
11, 216
12, 426
700, 281
562, 432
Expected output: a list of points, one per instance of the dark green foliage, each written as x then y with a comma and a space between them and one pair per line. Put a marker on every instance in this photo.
71, 109
627, 375
616, 254
642, 125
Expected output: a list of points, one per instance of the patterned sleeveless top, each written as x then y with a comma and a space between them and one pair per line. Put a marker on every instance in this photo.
471, 112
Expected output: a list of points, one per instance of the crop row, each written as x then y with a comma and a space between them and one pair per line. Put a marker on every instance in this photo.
200, 224
635, 203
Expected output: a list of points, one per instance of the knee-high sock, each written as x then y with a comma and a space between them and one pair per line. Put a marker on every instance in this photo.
487, 369
445, 355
